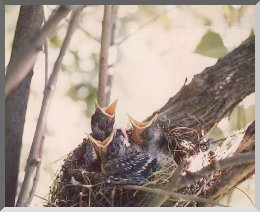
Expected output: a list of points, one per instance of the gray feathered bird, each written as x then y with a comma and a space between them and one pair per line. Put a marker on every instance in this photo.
120, 161
102, 121
149, 138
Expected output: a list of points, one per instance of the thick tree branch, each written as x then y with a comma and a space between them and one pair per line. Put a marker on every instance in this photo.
212, 94
237, 160
29, 22
34, 155
231, 177
106, 36
234, 169
17, 70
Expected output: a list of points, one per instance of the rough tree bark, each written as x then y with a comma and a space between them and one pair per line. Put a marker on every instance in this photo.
213, 93
231, 177
209, 97
29, 22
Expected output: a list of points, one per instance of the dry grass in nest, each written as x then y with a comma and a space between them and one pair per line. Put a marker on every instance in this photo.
76, 187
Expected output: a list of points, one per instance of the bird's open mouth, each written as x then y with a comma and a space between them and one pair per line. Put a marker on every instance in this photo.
109, 110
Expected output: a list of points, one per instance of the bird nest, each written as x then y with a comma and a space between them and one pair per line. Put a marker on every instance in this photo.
76, 187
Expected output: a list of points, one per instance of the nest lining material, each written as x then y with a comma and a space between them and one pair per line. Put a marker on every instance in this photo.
76, 187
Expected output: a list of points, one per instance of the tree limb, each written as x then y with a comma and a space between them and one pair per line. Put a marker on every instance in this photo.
209, 97
212, 94
230, 178
34, 157
110, 75
106, 36
29, 22
237, 160
21, 66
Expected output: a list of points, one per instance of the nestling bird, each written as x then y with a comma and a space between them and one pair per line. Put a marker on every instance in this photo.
92, 158
102, 121
118, 160
148, 137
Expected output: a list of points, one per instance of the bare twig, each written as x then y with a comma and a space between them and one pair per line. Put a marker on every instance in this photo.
36, 177
171, 194
107, 24
45, 200
237, 160
88, 34
246, 196
20, 68
46, 60
33, 158
141, 27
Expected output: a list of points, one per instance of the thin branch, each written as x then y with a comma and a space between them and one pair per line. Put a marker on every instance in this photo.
33, 158
20, 68
141, 27
237, 160
183, 181
46, 60
104, 51
110, 74
246, 195
38, 167
45, 200
36, 177
88, 34
171, 194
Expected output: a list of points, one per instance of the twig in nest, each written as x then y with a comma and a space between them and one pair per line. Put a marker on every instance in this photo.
159, 200
237, 160
171, 194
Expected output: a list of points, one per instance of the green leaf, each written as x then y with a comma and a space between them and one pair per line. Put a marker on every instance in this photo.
211, 45
241, 116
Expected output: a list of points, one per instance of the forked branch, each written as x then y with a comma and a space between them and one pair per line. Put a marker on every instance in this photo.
34, 155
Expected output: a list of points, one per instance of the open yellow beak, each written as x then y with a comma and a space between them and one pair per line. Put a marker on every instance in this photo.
101, 146
139, 127
110, 110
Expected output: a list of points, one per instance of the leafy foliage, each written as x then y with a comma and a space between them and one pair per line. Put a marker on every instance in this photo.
211, 45
241, 116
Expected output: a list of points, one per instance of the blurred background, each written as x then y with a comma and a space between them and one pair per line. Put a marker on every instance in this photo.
155, 49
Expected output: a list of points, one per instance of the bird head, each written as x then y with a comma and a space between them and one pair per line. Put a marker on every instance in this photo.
143, 132
107, 149
109, 110
102, 121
